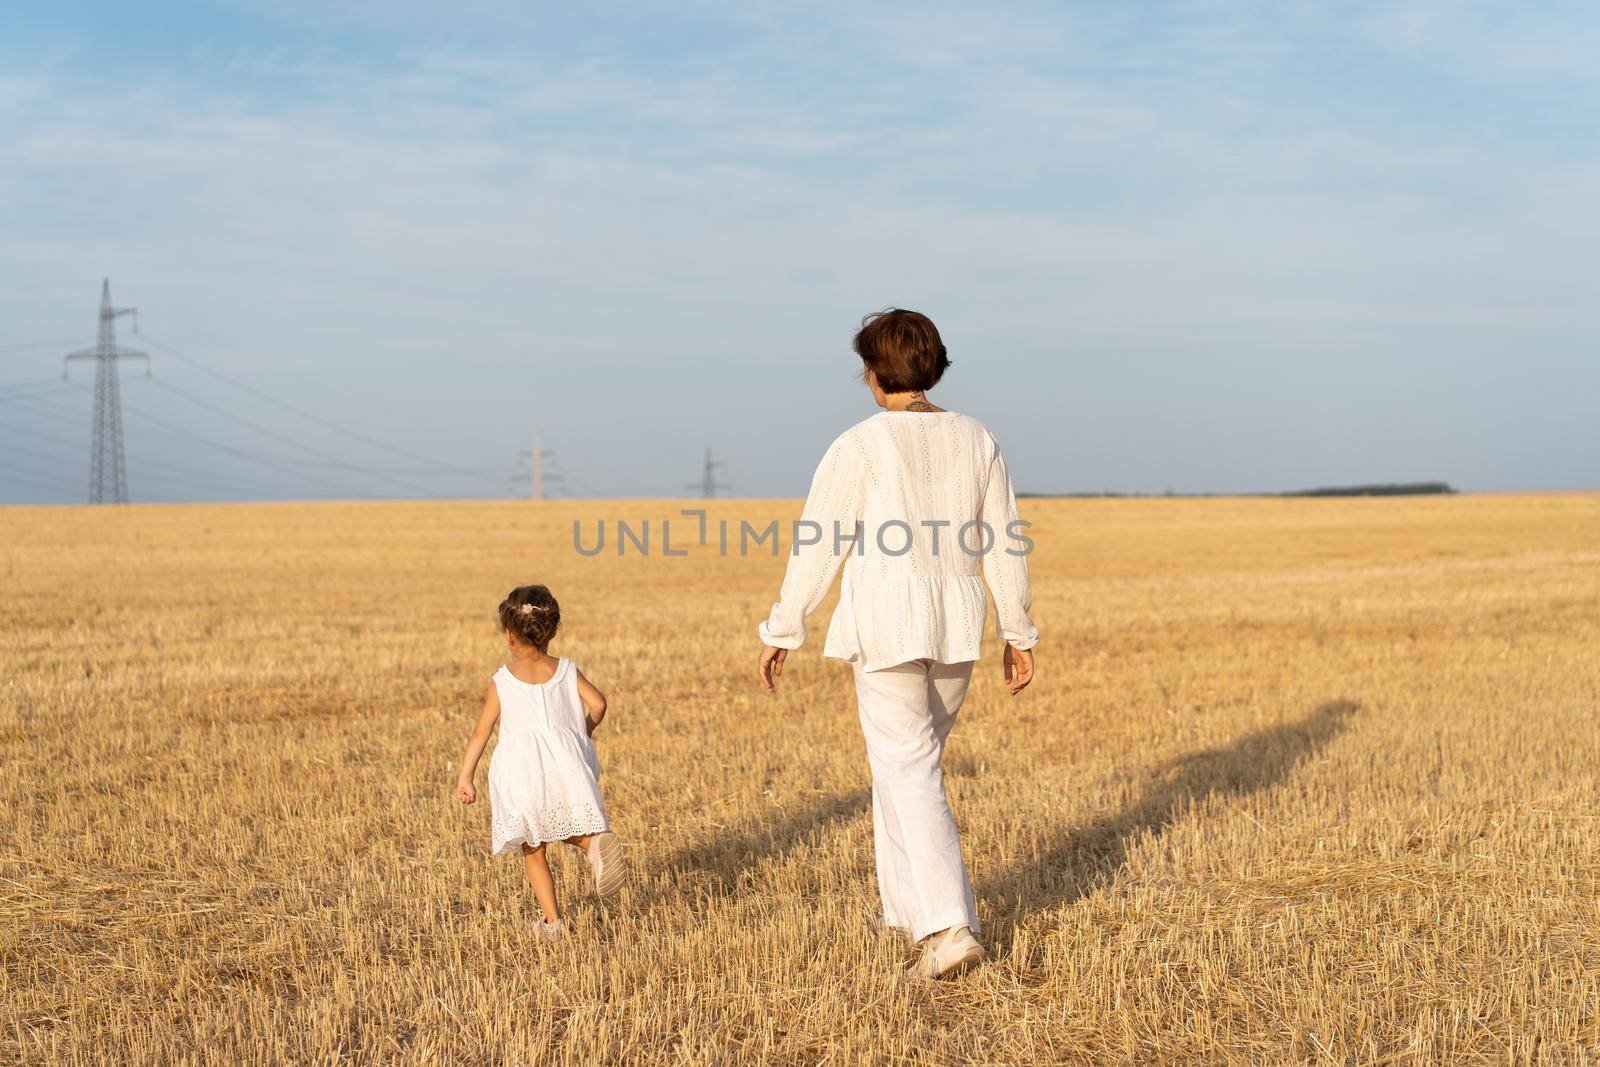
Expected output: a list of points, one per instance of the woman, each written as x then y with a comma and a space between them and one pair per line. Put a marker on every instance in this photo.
917, 499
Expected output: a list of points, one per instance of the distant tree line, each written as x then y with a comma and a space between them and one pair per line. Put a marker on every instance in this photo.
1377, 489
1383, 489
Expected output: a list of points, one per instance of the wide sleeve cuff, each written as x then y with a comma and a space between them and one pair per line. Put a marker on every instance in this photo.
773, 639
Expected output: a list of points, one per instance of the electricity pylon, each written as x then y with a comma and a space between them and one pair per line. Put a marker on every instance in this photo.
536, 476
108, 469
709, 483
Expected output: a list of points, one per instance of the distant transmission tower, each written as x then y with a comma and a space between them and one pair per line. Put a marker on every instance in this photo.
536, 476
708, 483
108, 470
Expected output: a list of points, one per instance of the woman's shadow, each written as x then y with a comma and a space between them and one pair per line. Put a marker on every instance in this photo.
1075, 861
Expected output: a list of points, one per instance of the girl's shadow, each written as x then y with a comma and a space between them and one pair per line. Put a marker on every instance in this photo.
1075, 861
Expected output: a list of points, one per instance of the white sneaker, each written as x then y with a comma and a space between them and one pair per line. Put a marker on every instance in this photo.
550, 931
948, 954
608, 863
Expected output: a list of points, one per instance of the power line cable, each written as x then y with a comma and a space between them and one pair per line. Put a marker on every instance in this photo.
27, 477
563, 481
225, 482
49, 457
11, 346
242, 454
51, 391
56, 386
48, 395
51, 438
183, 469
196, 490
284, 438
149, 470
261, 456
309, 416
33, 492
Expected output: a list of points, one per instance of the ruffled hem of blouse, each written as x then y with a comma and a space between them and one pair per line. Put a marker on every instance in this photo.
939, 618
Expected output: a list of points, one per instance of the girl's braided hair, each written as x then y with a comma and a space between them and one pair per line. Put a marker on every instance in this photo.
531, 614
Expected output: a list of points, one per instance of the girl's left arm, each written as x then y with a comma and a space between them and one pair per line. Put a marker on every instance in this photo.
594, 703
465, 791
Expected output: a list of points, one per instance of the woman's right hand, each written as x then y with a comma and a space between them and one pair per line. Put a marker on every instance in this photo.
465, 792
1018, 669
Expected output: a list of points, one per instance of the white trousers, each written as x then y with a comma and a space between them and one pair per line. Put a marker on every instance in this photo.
906, 714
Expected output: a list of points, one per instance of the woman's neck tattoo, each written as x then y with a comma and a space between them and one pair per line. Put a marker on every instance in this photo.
920, 404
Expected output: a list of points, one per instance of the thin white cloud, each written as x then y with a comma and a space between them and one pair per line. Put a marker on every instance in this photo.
1052, 183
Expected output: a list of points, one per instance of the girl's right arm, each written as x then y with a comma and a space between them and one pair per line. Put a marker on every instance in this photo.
476, 744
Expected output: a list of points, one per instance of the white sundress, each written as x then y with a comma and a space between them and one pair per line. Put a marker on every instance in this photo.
544, 776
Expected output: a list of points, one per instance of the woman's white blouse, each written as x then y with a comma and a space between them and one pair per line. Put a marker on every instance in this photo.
914, 505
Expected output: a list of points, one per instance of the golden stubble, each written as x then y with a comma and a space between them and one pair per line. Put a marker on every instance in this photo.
1303, 780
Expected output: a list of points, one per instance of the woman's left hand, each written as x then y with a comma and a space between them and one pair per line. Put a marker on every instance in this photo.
1018, 669
772, 666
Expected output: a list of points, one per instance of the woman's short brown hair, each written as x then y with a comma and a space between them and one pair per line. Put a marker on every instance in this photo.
902, 350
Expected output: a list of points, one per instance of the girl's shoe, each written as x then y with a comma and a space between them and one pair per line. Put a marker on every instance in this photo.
948, 954
607, 862
550, 931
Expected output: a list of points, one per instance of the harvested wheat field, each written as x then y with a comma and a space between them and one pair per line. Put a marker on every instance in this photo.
1304, 780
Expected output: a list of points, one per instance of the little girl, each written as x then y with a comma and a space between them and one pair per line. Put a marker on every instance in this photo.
544, 777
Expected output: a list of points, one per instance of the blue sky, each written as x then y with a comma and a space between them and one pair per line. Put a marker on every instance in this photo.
1200, 246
